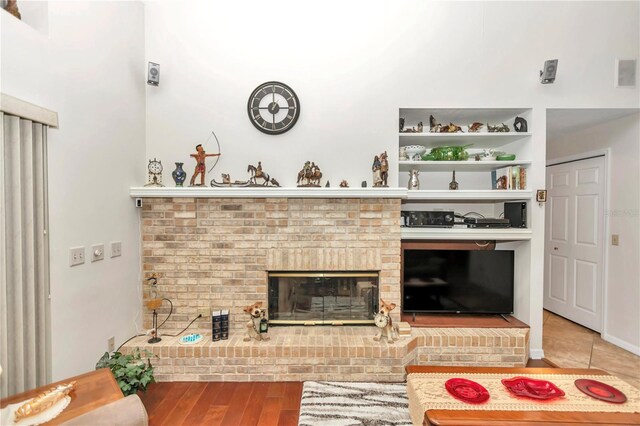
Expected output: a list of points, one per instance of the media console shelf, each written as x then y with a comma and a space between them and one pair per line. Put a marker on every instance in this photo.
507, 234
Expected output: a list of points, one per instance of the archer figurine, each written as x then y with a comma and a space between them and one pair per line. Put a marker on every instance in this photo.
201, 169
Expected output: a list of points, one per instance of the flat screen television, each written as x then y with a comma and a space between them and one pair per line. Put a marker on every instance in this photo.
458, 281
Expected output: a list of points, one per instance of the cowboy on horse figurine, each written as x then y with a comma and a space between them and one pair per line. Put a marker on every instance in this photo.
258, 173
310, 175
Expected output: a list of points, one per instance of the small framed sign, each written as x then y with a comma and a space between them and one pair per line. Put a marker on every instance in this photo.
541, 195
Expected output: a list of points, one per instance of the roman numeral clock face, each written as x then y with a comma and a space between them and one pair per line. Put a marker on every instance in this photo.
273, 108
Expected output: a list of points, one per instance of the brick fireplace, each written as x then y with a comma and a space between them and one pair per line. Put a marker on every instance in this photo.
216, 253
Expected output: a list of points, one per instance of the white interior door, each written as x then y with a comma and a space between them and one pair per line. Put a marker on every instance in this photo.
574, 242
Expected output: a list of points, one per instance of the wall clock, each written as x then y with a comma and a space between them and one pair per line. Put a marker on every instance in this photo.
273, 108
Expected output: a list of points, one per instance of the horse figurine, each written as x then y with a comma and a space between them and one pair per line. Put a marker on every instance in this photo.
310, 175
258, 173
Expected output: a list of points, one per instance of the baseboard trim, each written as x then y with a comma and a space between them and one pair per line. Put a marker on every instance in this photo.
619, 342
536, 353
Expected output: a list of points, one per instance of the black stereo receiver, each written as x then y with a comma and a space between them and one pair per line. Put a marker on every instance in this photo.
429, 219
486, 222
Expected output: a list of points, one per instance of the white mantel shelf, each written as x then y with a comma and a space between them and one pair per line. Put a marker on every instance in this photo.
460, 233
257, 192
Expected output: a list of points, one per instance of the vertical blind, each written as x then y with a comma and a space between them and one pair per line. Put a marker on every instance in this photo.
24, 255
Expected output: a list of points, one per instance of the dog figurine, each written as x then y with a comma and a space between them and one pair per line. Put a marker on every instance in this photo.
384, 323
257, 314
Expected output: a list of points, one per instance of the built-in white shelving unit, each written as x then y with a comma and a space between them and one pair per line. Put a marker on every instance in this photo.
475, 179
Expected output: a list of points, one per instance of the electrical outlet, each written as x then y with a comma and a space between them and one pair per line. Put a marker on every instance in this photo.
97, 252
111, 344
116, 249
76, 256
205, 312
615, 239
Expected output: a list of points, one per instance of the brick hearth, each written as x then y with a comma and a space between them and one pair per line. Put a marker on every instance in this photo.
333, 353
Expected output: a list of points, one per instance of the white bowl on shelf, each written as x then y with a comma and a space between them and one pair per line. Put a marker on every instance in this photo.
414, 151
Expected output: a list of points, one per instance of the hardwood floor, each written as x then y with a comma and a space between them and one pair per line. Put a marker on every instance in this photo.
223, 403
229, 403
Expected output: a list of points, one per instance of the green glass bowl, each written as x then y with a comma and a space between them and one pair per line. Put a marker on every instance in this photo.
506, 157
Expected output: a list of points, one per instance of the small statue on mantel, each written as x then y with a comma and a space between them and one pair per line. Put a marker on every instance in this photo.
380, 169
201, 168
376, 168
309, 176
384, 168
257, 173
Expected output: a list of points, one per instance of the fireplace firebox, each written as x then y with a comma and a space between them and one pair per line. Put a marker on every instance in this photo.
322, 298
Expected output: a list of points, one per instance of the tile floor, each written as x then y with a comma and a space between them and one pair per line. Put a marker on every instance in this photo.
570, 345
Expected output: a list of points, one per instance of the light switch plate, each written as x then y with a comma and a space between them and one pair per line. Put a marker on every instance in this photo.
615, 239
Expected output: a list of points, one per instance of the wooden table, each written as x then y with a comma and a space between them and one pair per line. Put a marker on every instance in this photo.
93, 390
479, 417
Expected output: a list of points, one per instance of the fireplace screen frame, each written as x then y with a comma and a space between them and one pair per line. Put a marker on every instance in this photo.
333, 286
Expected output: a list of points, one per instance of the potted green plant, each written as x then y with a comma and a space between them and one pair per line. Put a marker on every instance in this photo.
131, 371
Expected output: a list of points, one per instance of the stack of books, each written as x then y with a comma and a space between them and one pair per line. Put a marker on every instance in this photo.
404, 329
514, 177
224, 324
216, 325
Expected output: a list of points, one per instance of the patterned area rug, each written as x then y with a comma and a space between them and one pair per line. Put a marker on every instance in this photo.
354, 403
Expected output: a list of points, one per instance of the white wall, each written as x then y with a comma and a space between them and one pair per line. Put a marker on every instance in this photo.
90, 69
354, 64
621, 323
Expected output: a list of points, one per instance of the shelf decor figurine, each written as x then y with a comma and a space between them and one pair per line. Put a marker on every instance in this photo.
179, 175
380, 169
475, 127
401, 124
226, 182
384, 168
200, 157
344, 184
414, 182
309, 176
520, 125
376, 169
451, 128
258, 173
453, 185
434, 126
402, 154
420, 127
154, 177
498, 129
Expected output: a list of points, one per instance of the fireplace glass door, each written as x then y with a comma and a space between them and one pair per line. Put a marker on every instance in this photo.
316, 298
